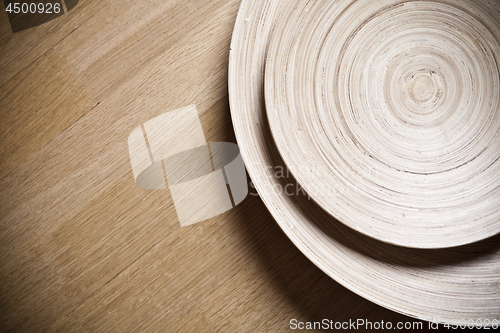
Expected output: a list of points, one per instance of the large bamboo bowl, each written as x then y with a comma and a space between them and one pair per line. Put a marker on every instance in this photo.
442, 285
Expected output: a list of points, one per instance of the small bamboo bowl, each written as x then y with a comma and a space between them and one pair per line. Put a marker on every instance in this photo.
388, 114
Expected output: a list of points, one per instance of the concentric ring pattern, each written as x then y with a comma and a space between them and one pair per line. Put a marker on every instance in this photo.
388, 114
443, 285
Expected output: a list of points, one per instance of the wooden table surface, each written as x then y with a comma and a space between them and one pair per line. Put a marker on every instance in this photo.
82, 248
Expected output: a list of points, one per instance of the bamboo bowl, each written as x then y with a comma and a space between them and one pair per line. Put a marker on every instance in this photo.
441, 285
388, 114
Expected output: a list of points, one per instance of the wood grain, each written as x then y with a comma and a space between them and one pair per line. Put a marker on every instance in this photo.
82, 248
37, 105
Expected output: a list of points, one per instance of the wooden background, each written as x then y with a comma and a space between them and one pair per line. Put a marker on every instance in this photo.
81, 246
